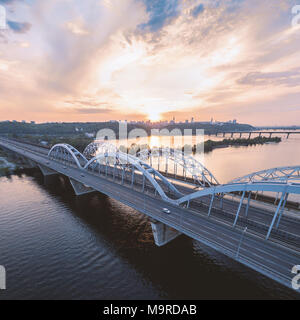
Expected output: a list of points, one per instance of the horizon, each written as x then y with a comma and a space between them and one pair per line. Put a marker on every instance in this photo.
147, 122
150, 60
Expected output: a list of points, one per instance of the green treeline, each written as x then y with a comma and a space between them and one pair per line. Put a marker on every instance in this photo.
209, 145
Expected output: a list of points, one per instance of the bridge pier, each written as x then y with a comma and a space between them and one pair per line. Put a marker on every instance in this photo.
162, 233
29, 163
79, 188
46, 171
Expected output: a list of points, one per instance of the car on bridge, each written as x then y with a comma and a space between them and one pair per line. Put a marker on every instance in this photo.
166, 210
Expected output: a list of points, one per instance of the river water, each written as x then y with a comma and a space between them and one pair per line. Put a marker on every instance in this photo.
56, 246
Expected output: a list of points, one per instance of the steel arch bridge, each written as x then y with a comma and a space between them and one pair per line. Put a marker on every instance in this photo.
284, 174
218, 222
108, 157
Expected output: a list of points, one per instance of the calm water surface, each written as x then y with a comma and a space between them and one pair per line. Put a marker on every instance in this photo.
57, 246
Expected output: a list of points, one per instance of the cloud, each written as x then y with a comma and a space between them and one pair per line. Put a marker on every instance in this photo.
19, 27
286, 78
197, 10
92, 111
76, 28
146, 58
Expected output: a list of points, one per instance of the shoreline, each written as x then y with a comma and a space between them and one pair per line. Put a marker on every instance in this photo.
6, 167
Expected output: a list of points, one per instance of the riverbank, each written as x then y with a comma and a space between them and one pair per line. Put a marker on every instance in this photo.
6, 167
210, 145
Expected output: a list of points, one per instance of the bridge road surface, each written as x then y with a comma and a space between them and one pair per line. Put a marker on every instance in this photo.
270, 259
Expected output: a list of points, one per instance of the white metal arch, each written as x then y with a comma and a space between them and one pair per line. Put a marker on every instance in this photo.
285, 189
65, 151
197, 170
238, 187
95, 147
147, 171
284, 174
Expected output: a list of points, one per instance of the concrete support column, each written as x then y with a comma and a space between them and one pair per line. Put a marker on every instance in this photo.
47, 171
162, 233
29, 163
80, 188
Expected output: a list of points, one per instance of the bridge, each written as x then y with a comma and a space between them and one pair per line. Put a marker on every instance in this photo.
188, 199
248, 134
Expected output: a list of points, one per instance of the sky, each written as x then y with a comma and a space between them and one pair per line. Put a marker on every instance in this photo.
97, 60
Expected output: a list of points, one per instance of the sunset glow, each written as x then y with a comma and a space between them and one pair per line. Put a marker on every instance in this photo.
142, 59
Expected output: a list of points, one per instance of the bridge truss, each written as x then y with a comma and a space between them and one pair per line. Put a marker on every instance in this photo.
283, 174
200, 174
67, 153
107, 160
122, 164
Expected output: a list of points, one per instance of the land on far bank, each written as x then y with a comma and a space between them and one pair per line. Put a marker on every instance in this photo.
81, 141
209, 145
91, 128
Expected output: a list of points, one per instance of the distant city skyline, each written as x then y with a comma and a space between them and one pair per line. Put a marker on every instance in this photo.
172, 121
97, 60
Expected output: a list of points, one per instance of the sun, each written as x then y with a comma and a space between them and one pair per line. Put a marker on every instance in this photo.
154, 115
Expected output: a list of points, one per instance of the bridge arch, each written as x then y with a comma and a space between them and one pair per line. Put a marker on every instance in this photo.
190, 165
285, 189
123, 159
67, 153
95, 147
283, 174
241, 187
